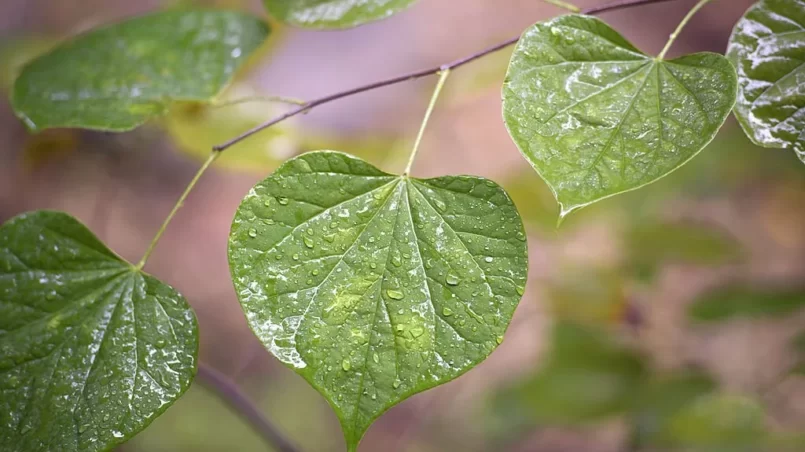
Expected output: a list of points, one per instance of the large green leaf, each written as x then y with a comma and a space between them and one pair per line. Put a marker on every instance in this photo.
333, 13
767, 48
738, 301
91, 349
596, 117
372, 286
117, 77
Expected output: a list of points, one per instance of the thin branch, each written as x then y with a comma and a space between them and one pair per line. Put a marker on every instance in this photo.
618, 4
229, 393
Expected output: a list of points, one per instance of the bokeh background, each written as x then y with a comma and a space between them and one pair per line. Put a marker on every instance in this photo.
660, 320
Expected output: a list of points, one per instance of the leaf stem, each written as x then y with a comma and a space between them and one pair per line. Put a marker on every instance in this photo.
681, 25
228, 392
439, 85
564, 5
612, 6
214, 155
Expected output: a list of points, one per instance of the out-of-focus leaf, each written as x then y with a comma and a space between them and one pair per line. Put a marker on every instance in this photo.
587, 376
596, 117
767, 48
333, 13
661, 398
117, 77
717, 423
652, 244
91, 349
744, 301
591, 297
372, 286
196, 128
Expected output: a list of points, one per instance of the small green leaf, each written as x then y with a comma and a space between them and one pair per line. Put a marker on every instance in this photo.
767, 48
596, 117
372, 286
652, 244
117, 77
91, 349
587, 376
333, 13
741, 301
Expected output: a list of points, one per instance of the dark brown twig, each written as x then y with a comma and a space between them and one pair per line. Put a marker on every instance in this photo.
230, 394
618, 4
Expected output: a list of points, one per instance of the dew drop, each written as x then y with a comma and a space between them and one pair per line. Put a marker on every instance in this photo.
346, 365
308, 242
396, 383
283, 201
447, 312
488, 259
252, 233
375, 358
452, 279
395, 294
520, 290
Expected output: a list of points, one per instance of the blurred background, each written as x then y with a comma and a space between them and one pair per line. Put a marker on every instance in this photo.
666, 319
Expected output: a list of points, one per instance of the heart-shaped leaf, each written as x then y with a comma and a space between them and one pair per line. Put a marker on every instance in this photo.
91, 349
596, 117
372, 286
333, 13
767, 48
117, 77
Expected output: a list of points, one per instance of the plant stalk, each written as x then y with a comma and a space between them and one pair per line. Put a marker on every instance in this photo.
439, 85
681, 25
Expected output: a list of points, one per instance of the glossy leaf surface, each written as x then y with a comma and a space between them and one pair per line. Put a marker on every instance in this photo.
117, 77
372, 286
596, 117
767, 48
91, 349
333, 13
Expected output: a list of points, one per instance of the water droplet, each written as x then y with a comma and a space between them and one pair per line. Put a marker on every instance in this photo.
83, 428
308, 242
447, 312
346, 365
499, 339
396, 383
440, 205
395, 258
375, 357
315, 272
555, 31
283, 201
520, 290
295, 257
252, 233
267, 202
488, 259
416, 332
400, 328
395, 294
452, 279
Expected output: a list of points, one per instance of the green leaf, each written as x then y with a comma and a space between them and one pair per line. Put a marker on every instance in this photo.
372, 286
117, 77
767, 48
596, 117
651, 244
91, 349
741, 301
718, 423
587, 376
324, 14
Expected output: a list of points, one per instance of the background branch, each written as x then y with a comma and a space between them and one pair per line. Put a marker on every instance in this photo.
619, 4
239, 403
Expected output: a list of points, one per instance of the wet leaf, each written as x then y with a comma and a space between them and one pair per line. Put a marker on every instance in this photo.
767, 48
587, 376
91, 349
333, 13
372, 286
743, 301
117, 77
596, 117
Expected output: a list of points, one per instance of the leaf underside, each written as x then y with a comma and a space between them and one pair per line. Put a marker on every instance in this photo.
596, 117
767, 48
372, 286
91, 349
117, 77
333, 13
